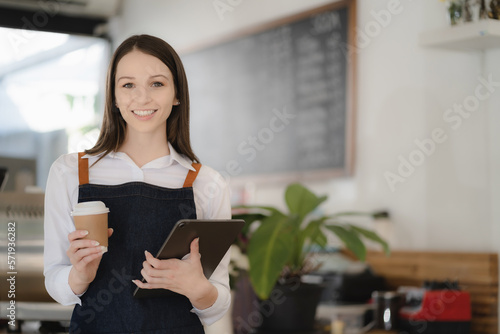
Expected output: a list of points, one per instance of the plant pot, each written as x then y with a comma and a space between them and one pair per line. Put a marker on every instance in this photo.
245, 308
290, 307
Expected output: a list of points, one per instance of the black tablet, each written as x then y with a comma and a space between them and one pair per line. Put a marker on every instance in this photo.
216, 236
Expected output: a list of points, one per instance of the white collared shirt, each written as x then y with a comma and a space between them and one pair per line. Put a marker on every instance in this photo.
211, 197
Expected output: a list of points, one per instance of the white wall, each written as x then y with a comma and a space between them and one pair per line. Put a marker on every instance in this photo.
493, 134
187, 24
450, 201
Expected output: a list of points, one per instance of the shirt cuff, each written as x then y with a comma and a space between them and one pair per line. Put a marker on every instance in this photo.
215, 312
63, 293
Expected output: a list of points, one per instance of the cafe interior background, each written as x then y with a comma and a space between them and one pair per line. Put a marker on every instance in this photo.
440, 198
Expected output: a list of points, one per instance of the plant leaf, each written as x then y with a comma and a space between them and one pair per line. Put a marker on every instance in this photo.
320, 239
350, 239
310, 234
372, 236
251, 214
301, 200
249, 218
350, 213
300, 251
268, 252
255, 208
314, 233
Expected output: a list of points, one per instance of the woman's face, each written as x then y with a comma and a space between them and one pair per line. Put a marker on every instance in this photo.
144, 92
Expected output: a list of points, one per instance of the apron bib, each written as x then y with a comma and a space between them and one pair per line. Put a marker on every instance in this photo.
142, 216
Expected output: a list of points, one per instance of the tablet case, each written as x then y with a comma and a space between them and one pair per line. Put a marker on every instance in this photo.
216, 236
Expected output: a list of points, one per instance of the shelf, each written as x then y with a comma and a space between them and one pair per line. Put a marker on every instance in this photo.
472, 36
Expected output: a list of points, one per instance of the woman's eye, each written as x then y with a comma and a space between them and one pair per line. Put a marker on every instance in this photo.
128, 85
157, 84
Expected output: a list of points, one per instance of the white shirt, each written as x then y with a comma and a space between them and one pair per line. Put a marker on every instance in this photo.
211, 197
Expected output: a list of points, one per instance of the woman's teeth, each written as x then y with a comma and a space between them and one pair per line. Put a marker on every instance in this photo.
143, 112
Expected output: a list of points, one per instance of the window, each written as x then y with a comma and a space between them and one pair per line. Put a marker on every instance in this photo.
51, 94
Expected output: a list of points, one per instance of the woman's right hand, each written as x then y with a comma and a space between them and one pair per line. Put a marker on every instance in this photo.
85, 256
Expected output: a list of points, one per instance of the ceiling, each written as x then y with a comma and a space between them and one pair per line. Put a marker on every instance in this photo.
82, 8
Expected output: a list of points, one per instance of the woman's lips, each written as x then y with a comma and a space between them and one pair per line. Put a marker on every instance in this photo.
142, 113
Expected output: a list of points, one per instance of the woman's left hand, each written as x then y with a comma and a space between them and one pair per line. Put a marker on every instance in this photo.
182, 276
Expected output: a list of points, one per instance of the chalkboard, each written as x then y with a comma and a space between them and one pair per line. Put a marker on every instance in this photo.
276, 101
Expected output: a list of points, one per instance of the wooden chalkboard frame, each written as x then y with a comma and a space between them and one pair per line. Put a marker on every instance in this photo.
351, 95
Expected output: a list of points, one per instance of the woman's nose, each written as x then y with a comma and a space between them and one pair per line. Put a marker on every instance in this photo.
141, 94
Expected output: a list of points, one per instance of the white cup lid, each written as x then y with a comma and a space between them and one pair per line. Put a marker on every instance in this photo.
90, 208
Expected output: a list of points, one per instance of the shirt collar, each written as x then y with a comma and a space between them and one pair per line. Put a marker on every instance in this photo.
181, 159
160, 162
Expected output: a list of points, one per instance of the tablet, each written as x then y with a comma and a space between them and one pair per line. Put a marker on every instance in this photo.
216, 236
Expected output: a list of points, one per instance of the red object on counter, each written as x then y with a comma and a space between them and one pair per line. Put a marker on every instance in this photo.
440, 305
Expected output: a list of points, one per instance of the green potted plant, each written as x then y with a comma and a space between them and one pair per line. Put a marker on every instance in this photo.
278, 246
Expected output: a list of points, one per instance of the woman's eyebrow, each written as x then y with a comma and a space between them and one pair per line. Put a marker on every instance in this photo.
124, 77
131, 78
159, 75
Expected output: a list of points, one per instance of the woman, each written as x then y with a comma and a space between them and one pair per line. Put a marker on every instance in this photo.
143, 168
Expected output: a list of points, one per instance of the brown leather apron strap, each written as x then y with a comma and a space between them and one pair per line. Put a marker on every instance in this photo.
191, 176
83, 169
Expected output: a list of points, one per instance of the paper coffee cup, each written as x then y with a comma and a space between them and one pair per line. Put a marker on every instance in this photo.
92, 217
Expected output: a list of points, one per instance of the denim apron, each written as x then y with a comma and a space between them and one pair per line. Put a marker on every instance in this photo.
142, 216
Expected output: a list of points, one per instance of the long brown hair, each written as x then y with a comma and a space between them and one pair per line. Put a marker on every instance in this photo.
112, 132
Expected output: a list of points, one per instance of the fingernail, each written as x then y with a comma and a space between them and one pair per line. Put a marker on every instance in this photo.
95, 243
104, 249
85, 232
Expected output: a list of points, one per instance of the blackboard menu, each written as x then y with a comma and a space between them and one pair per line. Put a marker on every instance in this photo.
275, 101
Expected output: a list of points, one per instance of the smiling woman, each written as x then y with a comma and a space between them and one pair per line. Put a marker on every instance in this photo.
144, 90
133, 80
144, 170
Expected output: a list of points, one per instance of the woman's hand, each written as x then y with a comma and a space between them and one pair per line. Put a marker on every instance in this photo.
182, 276
85, 256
